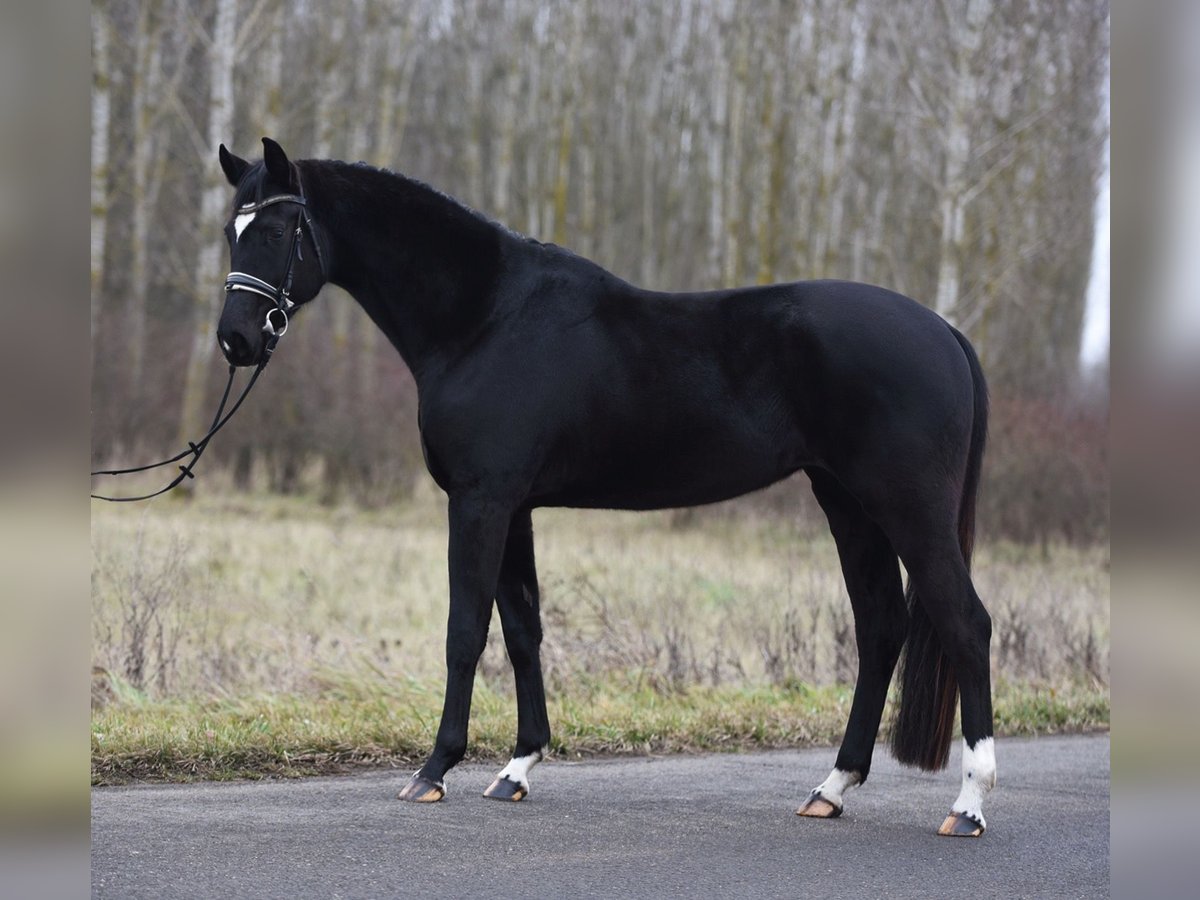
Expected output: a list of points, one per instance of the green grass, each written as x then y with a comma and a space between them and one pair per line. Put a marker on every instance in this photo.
368, 724
252, 636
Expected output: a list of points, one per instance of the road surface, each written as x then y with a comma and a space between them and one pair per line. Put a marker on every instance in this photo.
700, 826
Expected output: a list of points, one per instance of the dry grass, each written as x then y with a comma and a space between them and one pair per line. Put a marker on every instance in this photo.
266, 595
659, 635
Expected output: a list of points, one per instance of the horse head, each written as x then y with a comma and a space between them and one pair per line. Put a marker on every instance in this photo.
276, 262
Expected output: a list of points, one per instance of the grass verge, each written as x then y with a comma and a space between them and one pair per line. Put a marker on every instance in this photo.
352, 725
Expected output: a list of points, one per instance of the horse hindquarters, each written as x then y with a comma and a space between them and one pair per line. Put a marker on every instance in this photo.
949, 639
919, 487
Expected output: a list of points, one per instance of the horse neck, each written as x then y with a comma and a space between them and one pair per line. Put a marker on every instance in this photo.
423, 266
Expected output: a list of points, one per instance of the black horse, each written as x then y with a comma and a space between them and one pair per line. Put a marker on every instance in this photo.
545, 380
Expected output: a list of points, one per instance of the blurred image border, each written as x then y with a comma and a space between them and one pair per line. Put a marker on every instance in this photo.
1156, 442
44, 552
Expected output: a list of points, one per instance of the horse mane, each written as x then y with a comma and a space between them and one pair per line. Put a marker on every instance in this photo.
341, 182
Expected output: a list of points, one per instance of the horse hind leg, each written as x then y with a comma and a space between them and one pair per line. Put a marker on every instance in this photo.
517, 600
966, 630
872, 575
959, 630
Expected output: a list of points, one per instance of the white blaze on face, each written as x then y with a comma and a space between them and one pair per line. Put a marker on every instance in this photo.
979, 777
240, 222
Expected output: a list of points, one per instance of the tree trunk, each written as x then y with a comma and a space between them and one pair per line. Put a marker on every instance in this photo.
144, 187
716, 172
213, 202
847, 123
957, 149
567, 107
331, 85
401, 55
649, 195
101, 114
731, 272
267, 98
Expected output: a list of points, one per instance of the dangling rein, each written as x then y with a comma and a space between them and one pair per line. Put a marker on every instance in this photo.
274, 327
195, 448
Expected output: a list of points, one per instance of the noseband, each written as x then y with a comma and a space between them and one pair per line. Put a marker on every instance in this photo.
277, 318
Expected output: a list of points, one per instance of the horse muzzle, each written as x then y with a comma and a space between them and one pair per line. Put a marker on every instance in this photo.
248, 336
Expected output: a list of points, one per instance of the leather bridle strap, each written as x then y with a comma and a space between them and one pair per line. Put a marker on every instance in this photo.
281, 295
195, 448
275, 325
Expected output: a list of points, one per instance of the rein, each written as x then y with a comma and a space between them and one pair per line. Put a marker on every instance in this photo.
275, 325
195, 448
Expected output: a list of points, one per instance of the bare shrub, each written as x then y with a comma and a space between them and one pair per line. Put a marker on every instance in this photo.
139, 613
1082, 650
789, 648
1049, 624
657, 647
1011, 638
1045, 474
624, 601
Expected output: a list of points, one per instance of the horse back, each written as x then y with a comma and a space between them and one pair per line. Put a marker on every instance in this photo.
595, 393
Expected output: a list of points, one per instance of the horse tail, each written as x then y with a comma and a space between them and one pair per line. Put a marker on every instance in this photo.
924, 723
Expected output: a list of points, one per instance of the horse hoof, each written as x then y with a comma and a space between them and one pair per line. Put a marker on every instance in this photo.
818, 807
504, 788
961, 824
422, 790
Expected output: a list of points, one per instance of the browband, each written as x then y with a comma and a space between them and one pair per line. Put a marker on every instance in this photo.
278, 198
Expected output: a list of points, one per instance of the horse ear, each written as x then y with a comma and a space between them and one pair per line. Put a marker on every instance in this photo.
234, 167
277, 164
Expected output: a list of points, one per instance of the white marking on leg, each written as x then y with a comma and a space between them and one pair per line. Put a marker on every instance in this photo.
517, 770
979, 777
837, 784
239, 224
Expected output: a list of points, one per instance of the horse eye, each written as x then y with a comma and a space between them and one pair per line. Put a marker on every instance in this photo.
277, 234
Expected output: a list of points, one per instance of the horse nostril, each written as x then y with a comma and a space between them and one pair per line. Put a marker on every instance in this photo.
236, 348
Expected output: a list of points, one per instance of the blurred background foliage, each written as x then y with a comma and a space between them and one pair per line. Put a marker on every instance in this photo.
951, 150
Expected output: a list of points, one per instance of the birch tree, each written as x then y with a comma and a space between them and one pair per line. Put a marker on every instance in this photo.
947, 150
214, 200
101, 115
966, 30
144, 179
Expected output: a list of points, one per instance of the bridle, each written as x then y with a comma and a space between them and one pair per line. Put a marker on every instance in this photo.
274, 327
277, 318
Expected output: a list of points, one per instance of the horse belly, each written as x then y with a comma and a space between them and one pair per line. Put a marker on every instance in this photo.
693, 463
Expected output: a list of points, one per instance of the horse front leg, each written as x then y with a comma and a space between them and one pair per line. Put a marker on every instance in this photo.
517, 598
478, 529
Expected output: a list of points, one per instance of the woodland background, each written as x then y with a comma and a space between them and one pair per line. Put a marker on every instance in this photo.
950, 150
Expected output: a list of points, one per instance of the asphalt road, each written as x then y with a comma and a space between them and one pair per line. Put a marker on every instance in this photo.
708, 826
